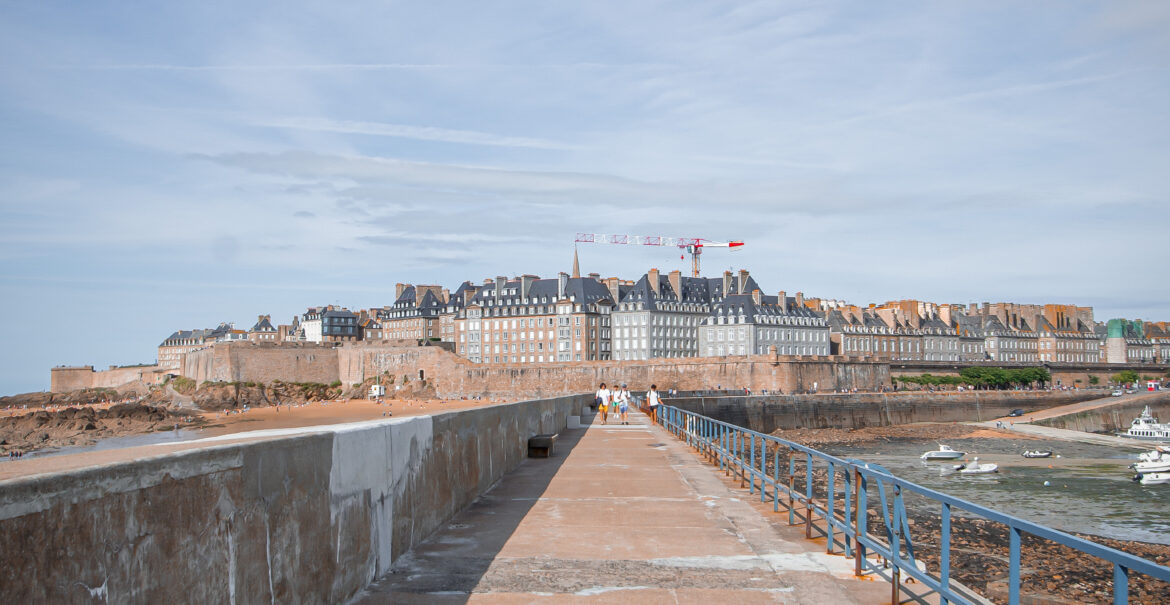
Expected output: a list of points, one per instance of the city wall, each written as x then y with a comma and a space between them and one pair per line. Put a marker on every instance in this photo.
1113, 418
263, 362
453, 376
852, 411
64, 379
307, 518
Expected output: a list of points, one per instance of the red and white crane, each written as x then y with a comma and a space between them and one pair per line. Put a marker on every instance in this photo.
693, 245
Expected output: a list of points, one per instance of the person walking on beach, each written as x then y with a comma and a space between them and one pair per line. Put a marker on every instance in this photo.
653, 400
603, 397
622, 400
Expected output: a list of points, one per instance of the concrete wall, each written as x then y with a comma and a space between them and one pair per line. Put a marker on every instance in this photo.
65, 379
768, 413
307, 518
1113, 418
263, 362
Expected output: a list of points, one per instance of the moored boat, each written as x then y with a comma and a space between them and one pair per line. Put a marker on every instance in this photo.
1156, 461
1147, 426
1152, 478
944, 452
1037, 454
975, 468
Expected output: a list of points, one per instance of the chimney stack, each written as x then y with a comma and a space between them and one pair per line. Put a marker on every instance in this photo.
399, 289
800, 299
446, 296
726, 283
782, 300
675, 278
756, 296
526, 284
562, 284
652, 277
743, 277
500, 282
595, 276
614, 285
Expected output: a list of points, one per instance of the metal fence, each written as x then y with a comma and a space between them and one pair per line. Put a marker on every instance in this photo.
844, 516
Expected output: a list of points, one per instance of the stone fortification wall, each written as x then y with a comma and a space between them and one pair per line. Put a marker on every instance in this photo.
65, 379
453, 376
771, 412
263, 362
307, 518
1113, 418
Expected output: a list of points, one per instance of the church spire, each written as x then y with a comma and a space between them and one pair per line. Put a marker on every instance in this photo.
576, 264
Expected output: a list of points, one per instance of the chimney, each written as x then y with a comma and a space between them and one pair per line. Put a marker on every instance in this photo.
756, 296
743, 278
726, 283
500, 282
972, 309
652, 277
562, 284
614, 285
526, 284
675, 278
944, 313
399, 289
446, 295
800, 299
782, 300
595, 276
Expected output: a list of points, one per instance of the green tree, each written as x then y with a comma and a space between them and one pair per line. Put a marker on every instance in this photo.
1093, 379
1124, 377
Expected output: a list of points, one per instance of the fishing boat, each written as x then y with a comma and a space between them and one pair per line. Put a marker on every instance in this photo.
975, 468
1152, 478
1037, 454
1147, 427
944, 452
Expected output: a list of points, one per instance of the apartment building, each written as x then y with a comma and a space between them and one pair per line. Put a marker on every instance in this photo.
174, 347
263, 330
754, 324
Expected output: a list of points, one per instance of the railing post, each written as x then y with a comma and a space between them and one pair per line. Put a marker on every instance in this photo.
752, 466
847, 513
776, 479
829, 508
944, 556
763, 466
808, 495
791, 488
1014, 567
859, 520
1120, 585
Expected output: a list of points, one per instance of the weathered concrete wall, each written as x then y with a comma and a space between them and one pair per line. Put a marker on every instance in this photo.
454, 376
1113, 418
65, 379
306, 518
263, 362
771, 412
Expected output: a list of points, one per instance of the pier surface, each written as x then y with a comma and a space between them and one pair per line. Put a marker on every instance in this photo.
620, 513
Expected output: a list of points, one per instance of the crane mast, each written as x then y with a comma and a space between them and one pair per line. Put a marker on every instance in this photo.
692, 245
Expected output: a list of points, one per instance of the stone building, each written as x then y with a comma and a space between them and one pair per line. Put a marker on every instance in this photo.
532, 320
1126, 342
311, 323
181, 342
414, 314
1158, 334
263, 330
754, 324
857, 332
659, 315
453, 303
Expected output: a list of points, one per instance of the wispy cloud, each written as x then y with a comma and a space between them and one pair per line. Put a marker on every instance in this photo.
422, 133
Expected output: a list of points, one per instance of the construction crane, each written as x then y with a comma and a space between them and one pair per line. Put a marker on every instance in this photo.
693, 245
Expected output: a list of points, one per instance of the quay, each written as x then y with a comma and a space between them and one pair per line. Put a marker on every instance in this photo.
621, 513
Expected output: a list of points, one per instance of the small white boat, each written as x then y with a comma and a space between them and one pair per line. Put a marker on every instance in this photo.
1157, 461
974, 468
1152, 478
944, 452
1037, 454
1147, 427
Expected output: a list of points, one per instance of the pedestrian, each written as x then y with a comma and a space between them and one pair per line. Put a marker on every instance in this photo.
602, 401
653, 400
622, 400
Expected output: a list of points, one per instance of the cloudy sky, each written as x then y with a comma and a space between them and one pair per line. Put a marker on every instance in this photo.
171, 168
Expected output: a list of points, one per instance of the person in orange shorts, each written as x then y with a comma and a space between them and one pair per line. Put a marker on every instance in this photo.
603, 399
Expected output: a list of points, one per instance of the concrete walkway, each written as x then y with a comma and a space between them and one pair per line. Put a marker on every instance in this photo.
620, 514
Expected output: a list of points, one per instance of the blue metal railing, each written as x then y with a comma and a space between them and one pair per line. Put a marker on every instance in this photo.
748, 455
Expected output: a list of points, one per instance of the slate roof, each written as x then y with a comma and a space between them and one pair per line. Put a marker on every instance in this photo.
263, 325
744, 305
584, 290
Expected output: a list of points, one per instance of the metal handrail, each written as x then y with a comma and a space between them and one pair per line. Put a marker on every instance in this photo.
745, 453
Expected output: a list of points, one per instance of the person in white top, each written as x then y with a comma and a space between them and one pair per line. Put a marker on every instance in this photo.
622, 400
653, 399
602, 401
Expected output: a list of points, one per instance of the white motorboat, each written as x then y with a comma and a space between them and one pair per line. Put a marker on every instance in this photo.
944, 452
1152, 478
1037, 454
1147, 427
974, 468
1156, 461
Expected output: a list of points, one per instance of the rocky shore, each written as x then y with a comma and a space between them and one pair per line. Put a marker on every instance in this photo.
83, 425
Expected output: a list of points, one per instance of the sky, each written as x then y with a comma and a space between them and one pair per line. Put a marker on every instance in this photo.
175, 165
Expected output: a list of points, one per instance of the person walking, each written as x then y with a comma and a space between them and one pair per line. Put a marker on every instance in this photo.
653, 400
622, 401
603, 397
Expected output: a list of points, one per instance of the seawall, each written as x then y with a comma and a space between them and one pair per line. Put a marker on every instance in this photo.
851, 411
307, 518
1113, 418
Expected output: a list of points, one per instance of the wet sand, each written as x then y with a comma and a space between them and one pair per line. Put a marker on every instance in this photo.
218, 424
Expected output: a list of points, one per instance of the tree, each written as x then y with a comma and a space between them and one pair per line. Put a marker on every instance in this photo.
1124, 377
1093, 379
